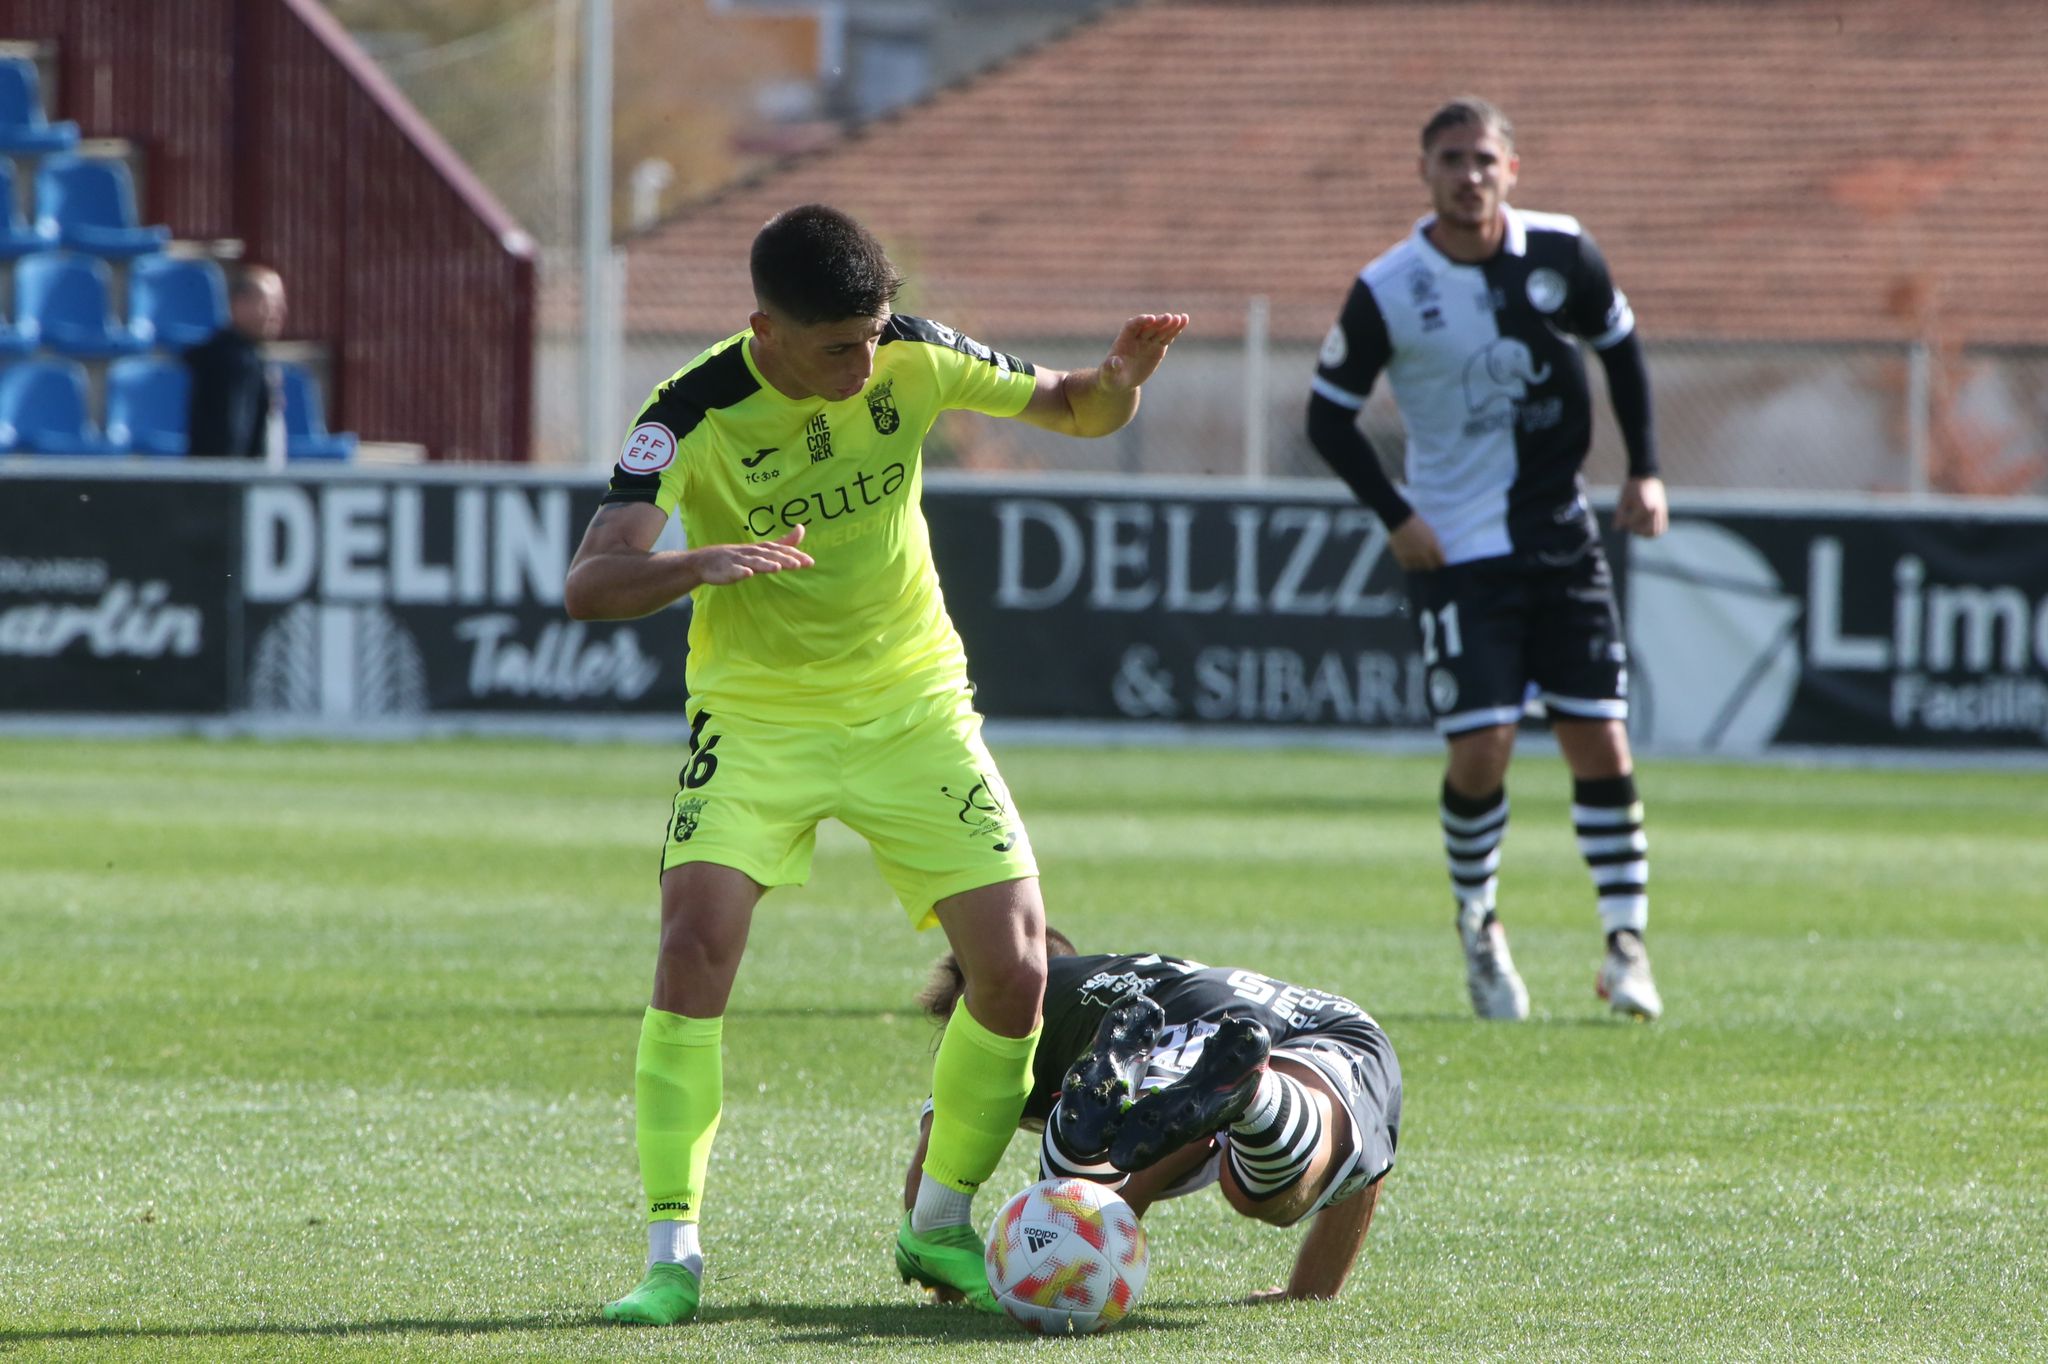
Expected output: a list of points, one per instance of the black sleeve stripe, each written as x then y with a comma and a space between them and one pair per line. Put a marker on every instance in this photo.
903, 327
627, 487
681, 403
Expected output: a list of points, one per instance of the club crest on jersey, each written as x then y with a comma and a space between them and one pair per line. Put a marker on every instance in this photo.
1335, 348
882, 407
688, 812
650, 447
1546, 290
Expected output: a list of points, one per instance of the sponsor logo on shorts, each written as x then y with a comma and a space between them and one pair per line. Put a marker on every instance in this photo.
983, 810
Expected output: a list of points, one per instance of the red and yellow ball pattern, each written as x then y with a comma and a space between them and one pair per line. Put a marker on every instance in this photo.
1067, 1256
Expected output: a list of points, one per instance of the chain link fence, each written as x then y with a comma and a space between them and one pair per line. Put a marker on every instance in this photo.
711, 92
1729, 414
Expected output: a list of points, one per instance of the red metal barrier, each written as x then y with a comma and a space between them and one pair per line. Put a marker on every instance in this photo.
260, 120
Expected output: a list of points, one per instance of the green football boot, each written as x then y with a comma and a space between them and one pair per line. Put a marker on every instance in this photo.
946, 1257
667, 1296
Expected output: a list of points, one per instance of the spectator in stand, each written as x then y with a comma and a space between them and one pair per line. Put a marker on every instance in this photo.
237, 406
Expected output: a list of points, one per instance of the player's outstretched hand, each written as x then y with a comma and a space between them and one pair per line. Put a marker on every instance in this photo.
1139, 348
721, 564
1641, 509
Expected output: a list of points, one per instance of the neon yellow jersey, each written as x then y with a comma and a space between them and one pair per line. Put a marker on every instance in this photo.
864, 630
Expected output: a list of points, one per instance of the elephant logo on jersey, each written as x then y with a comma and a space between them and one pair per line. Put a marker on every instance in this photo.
1500, 373
882, 407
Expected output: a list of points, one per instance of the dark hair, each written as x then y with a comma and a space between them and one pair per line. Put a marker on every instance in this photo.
815, 264
941, 993
1468, 111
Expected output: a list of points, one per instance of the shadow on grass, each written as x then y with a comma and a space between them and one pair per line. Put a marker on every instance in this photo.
312, 1331
796, 1323
1536, 1023
849, 1327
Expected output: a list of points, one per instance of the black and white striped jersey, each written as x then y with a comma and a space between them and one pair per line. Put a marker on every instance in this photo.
1488, 376
1195, 998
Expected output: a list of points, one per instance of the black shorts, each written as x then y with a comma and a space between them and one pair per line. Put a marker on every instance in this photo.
1495, 631
1357, 1061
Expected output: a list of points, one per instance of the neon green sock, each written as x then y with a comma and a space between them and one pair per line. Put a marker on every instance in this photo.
679, 1092
979, 1085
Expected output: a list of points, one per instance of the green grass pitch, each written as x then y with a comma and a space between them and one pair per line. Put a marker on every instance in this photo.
324, 1051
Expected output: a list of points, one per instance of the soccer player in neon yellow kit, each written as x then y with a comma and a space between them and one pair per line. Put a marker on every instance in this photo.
827, 680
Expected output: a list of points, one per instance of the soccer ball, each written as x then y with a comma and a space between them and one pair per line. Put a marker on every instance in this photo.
1066, 1257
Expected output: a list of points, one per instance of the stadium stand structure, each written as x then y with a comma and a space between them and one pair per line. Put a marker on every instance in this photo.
88, 227
411, 283
176, 302
19, 233
146, 405
305, 423
43, 410
24, 126
63, 303
89, 205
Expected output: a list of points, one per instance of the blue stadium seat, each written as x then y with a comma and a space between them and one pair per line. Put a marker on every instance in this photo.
18, 237
305, 425
175, 303
146, 405
13, 341
23, 126
60, 301
91, 204
42, 410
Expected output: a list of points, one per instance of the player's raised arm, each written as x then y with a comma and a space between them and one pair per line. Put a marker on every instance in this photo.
617, 575
1104, 398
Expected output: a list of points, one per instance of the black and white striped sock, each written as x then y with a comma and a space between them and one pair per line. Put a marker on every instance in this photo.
1608, 818
1058, 1160
1272, 1144
1473, 829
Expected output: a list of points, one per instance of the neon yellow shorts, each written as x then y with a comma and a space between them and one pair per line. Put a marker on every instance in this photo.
918, 785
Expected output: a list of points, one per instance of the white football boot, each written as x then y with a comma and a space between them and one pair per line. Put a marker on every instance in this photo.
1496, 988
1625, 981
